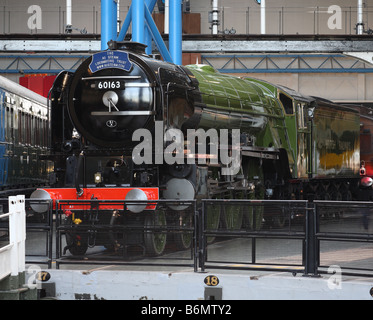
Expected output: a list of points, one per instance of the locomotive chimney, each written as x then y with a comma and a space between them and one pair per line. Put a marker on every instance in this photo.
135, 47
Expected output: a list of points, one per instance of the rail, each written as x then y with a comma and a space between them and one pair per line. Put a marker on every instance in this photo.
12, 255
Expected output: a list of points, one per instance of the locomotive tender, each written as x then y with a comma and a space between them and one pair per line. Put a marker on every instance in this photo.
290, 145
366, 153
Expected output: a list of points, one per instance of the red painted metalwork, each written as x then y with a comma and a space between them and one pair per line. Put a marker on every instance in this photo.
104, 194
39, 83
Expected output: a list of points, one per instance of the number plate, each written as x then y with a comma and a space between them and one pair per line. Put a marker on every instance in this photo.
211, 281
110, 84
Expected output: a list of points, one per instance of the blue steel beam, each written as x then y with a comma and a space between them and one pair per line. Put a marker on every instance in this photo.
138, 20
148, 40
338, 64
47, 64
108, 22
302, 70
150, 4
175, 39
127, 21
150, 32
125, 26
341, 64
157, 37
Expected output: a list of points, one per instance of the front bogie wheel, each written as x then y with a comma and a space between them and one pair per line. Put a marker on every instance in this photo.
77, 244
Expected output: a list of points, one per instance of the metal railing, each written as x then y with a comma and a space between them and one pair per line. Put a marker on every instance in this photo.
12, 255
259, 234
295, 236
38, 229
104, 232
40, 232
343, 236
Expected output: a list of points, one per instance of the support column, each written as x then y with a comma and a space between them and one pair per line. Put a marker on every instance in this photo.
360, 23
148, 39
108, 22
311, 249
68, 27
215, 16
175, 42
144, 28
167, 17
361, 87
263, 17
138, 21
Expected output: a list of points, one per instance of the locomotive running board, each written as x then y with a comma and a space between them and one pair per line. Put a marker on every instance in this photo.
262, 153
111, 198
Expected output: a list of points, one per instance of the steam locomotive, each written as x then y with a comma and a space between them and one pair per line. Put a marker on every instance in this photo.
289, 145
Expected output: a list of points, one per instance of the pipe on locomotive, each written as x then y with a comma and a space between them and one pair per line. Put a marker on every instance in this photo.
79, 191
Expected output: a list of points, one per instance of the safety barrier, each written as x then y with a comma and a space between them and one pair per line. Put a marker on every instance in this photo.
39, 230
12, 255
296, 236
256, 234
104, 232
342, 235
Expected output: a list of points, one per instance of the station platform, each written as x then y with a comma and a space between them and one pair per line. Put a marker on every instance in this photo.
114, 283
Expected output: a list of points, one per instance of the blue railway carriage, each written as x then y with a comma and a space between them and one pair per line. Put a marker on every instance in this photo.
24, 131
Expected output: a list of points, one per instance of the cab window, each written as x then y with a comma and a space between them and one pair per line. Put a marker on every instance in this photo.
287, 103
